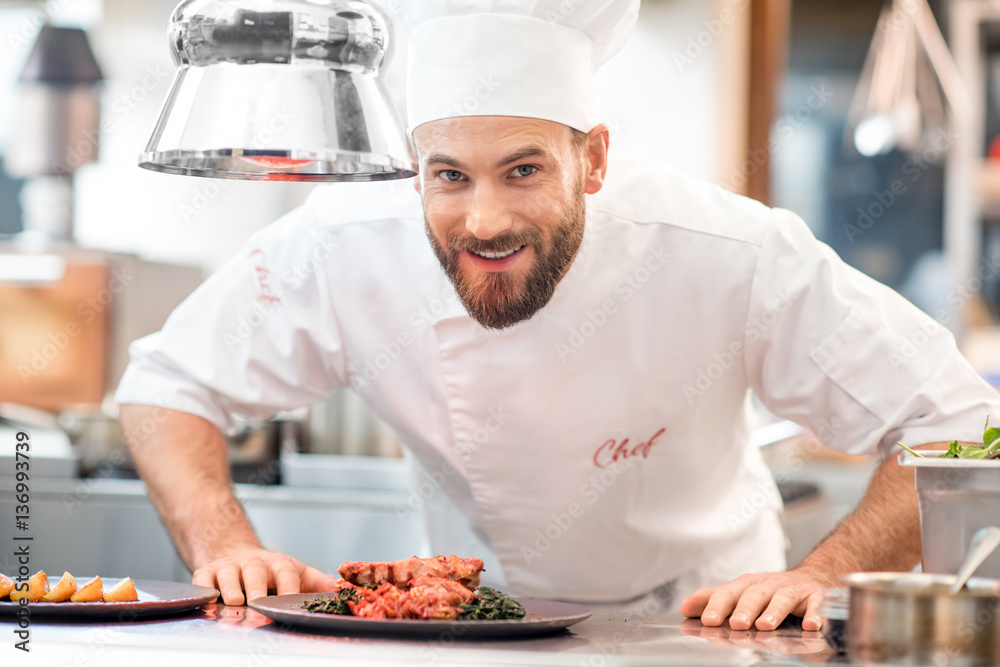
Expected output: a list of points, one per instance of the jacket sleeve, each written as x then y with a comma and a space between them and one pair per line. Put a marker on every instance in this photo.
849, 358
259, 336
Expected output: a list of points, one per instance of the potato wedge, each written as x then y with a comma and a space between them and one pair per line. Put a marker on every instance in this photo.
123, 591
92, 591
62, 591
38, 586
6, 586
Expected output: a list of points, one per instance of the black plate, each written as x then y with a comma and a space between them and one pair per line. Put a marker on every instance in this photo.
543, 617
156, 598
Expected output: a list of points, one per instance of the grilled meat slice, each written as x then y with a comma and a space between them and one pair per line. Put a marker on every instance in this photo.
432, 597
465, 571
427, 598
382, 602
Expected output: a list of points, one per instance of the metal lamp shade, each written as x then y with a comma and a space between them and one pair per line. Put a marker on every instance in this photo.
59, 106
280, 90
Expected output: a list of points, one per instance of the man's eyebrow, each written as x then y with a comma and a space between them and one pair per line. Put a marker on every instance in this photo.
517, 156
437, 158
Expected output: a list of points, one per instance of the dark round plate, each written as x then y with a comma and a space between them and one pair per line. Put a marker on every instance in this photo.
156, 598
543, 617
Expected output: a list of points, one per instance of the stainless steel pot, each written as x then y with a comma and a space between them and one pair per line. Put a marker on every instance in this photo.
910, 618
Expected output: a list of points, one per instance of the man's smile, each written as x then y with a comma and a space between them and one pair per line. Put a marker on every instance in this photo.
498, 255
497, 261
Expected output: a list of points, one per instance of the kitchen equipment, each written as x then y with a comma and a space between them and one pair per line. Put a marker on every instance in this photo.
156, 598
51, 453
284, 90
910, 617
984, 542
899, 101
543, 617
64, 331
835, 609
58, 130
338, 471
957, 497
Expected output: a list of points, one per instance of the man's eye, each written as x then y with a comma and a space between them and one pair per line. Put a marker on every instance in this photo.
452, 175
524, 170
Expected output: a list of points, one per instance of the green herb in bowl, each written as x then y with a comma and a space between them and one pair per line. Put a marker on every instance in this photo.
990, 449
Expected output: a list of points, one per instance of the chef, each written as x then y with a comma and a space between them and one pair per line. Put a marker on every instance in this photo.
566, 344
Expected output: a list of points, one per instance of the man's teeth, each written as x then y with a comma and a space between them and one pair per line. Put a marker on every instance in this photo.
497, 255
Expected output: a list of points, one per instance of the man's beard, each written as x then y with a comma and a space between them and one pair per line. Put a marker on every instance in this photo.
497, 300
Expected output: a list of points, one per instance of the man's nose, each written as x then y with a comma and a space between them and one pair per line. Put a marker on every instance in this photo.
487, 216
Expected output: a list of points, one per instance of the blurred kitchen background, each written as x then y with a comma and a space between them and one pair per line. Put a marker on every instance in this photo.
893, 164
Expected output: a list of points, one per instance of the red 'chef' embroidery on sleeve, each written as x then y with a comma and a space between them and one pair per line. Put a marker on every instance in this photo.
613, 451
266, 294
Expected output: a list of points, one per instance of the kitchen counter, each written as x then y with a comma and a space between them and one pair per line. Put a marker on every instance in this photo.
223, 635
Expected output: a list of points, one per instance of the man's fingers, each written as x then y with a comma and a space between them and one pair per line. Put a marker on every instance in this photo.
228, 575
256, 571
753, 601
694, 605
722, 602
255, 578
286, 576
812, 620
784, 602
314, 581
204, 576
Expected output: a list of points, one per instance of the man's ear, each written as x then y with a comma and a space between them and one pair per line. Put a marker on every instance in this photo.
596, 158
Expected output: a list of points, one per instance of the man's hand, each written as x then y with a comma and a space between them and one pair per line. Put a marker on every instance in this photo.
256, 571
762, 600
184, 462
883, 534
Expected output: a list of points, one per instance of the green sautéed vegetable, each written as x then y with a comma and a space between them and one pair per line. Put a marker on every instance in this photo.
990, 449
334, 605
491, 605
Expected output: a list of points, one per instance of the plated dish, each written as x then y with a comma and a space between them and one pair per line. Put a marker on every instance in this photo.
419, 597
542, 617
152, 598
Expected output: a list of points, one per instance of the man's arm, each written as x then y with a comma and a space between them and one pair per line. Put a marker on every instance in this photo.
882, 534
184, 463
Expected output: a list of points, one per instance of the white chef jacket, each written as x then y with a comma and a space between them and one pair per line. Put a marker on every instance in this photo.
600, 448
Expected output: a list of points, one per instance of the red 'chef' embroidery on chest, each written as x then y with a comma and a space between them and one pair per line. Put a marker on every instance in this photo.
265, 292
613, 451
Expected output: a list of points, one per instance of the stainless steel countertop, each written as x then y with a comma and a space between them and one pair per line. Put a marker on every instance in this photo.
222, 635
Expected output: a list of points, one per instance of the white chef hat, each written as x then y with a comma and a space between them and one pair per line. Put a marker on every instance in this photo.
529, 58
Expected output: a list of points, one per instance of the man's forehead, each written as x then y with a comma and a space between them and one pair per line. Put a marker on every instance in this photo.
488, 136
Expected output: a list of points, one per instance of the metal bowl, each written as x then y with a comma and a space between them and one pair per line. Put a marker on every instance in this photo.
910, 618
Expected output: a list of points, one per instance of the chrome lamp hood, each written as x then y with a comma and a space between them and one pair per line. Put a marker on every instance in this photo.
279, 90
